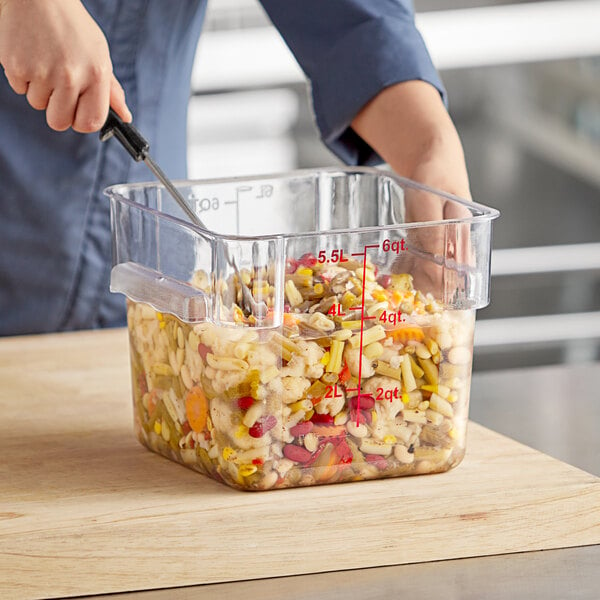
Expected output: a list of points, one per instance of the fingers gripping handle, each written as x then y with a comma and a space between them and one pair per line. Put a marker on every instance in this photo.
127, 134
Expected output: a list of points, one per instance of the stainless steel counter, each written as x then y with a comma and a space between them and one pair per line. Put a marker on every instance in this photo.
553, 574
554, 409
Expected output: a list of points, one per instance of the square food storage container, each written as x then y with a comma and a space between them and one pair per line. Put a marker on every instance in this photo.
319, 330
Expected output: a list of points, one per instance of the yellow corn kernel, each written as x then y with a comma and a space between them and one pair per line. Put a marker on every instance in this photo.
379, 295
373, 416
325, 358
318, 290
306, 271
228, 453
160, 316
246, 470
374, 350
390, 439
335, 359
348, 300
240, 432
452, 397
453, 434
397, 297
405, 398
157, 427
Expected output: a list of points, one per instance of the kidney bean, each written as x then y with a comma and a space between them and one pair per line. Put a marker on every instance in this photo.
203, 350
363, 416
384, 281
308, 260
367, 402
301, 428
261, 426
344, 453
245, 402
377, 460
291, 265
317, 418
296, 453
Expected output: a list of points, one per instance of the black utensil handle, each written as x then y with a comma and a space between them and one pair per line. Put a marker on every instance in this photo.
131, 139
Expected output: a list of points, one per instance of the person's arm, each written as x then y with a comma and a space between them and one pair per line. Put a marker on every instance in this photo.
54, 53
376, 93
409, 126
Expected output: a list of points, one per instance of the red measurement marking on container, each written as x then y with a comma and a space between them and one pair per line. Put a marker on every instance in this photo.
331, 391
337, 256
334, 256
362, 324
392, 317
389, 394
362, 316
396, 246
336, 311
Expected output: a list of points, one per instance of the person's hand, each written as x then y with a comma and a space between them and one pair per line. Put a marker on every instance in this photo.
408, 125
54, 53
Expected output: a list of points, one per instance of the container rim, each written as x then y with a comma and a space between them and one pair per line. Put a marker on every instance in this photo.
486, 213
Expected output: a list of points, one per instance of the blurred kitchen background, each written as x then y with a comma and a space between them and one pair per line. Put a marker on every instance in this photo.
524, 85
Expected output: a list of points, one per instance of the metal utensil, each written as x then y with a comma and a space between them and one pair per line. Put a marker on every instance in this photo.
139, 149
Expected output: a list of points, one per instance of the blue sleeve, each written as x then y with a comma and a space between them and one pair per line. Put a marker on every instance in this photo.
351, 50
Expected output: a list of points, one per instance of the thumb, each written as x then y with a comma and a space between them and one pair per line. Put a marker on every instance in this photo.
117, 100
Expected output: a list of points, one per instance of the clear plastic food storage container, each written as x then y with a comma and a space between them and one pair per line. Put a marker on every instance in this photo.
320, 330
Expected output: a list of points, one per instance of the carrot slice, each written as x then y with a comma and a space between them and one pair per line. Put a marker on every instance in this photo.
196, 408
290, 320
328, 430
404, 334
345, 373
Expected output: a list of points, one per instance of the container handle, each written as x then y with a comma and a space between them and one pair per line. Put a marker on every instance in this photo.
163, 293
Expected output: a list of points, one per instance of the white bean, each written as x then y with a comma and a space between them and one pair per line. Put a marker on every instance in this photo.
403, 455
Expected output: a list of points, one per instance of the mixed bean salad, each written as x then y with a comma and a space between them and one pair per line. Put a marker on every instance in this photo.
328, 397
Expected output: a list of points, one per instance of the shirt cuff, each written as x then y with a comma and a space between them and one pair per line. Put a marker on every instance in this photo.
373, 56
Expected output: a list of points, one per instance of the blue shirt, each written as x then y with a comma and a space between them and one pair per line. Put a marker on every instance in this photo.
55, 241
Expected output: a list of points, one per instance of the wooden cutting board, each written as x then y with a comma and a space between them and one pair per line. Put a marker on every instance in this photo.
84, 509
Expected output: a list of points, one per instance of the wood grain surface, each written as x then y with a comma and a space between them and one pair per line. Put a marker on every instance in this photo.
84, 509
